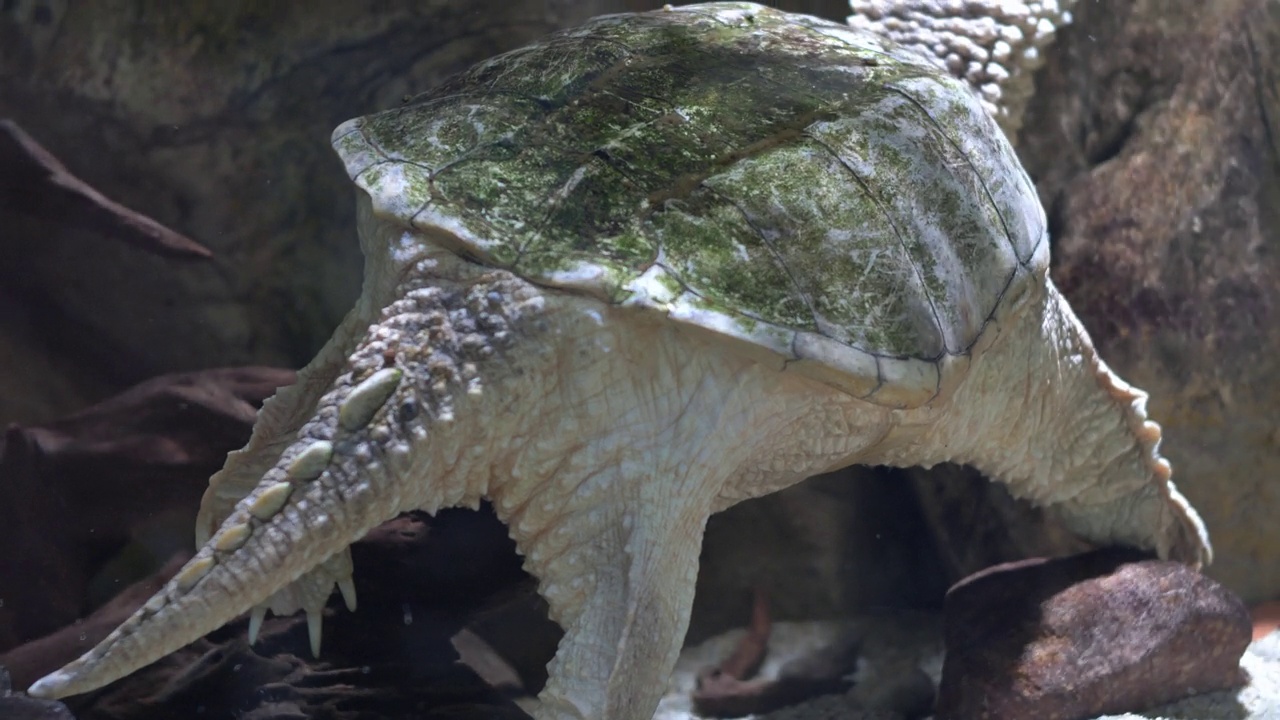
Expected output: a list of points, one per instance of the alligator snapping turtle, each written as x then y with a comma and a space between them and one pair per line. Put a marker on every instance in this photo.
640, 271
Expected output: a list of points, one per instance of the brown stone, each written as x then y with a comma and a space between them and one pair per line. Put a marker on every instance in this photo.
1153, 142
1073, 638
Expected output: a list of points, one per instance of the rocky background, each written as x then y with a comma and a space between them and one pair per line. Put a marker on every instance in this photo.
1153, 139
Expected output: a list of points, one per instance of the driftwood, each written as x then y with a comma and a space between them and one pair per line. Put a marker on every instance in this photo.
33, 182
127, 472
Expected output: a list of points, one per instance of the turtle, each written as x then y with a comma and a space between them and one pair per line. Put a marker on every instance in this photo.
639, 271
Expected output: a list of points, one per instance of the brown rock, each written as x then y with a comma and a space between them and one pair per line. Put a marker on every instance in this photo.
1104, 632
1153, 141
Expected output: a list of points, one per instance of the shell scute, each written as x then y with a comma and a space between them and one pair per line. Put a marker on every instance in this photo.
710, 245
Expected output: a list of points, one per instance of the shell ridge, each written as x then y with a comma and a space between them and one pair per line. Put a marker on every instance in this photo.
897, 231
690, 290
773, 252
371, 166
374, 145
986, 191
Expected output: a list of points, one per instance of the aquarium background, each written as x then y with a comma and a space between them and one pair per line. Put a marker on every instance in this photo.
133, 356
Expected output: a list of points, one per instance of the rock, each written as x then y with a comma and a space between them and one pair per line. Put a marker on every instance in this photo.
1103, 632
1259, 700
1153, 141
218, 127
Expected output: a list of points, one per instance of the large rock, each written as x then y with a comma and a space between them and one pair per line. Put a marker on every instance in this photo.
1260, 700
1071, 638
1153, 139
213, 118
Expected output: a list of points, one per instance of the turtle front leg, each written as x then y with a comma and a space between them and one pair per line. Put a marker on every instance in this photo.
381, 440
619, 580
279, 422
276, 428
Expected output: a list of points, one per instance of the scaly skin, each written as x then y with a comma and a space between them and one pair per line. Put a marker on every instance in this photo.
994, 45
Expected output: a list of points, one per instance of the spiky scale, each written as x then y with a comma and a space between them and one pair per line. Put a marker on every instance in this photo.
231, 537
270, 500
311, 461
188, 576
367, 398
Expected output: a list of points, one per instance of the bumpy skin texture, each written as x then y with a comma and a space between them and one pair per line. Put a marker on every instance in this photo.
994, 45
606, 431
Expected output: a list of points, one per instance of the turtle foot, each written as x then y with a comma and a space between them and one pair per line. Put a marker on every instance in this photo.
310, 593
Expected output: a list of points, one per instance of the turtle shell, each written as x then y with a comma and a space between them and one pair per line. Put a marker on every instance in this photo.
794, 183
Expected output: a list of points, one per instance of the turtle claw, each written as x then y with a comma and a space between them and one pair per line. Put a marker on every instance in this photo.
314, 619
256, 617
348, 590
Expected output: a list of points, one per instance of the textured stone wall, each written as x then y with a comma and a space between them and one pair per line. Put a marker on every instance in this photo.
1153, 140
